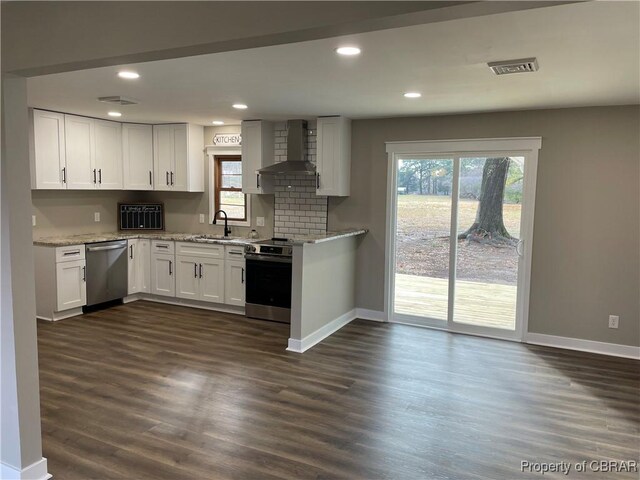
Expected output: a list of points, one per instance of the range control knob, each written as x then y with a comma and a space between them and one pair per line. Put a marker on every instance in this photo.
250, 249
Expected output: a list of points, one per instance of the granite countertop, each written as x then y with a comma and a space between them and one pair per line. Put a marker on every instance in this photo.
329, 236
168, 236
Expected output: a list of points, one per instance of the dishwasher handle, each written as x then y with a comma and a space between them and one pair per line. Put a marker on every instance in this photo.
107, 247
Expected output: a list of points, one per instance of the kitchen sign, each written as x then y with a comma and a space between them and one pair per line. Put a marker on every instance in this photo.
227, 139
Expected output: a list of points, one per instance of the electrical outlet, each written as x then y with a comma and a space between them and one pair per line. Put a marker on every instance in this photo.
33, 220
260, 221
613, 321
202, 218
96, 217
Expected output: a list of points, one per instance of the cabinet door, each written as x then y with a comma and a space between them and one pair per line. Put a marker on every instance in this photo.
143, 270
234, 282
49, 150
163, 275
108, 154
212, 281
179, 173
163, 156
187, 277
71, 285
137, 156
81, 172
333, 156
133, 284
251, 156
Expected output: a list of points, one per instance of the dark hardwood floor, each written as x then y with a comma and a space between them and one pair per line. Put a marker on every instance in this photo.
150, 391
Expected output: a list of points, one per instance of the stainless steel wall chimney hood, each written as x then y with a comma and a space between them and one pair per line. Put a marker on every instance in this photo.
295, 163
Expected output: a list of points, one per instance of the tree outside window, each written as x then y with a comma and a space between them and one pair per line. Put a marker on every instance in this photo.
228, 192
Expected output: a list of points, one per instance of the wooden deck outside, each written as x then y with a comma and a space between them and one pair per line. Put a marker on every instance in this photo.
484, 304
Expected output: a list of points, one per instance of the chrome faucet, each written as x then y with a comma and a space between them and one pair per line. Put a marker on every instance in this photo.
227, 230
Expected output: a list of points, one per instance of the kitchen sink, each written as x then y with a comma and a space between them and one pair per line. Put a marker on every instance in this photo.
214, 237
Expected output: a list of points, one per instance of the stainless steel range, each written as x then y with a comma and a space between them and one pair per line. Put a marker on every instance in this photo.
268, 283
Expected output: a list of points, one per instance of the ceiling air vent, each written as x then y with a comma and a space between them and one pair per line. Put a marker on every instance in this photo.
118, 100
522, 65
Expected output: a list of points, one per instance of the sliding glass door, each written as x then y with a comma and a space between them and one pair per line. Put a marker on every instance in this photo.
459, 225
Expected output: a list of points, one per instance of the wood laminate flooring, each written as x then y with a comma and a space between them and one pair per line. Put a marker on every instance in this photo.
151, 391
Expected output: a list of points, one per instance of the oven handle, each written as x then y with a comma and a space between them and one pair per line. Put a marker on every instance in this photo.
267, 258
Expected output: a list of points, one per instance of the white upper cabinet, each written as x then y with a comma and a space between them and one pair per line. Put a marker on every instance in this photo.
333, 176
107, 154
80, 172
178, 157
137, 156
257, 152
47, 150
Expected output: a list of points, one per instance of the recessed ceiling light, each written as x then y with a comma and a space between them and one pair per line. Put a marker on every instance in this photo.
412, 95
218, 122
240, 106
348, 51
115, 114
128, 75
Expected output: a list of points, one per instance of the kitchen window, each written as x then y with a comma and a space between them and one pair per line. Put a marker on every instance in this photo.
228, 194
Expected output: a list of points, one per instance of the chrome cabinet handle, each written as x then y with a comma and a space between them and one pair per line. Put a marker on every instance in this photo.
170, 268
167, 177
100, 175
84, 274
94, 175
200, 270
64, 174
235, 253
171, 178
195, 270
74, 252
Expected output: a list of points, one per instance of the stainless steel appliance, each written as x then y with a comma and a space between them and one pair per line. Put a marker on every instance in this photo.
268, 281
106, 271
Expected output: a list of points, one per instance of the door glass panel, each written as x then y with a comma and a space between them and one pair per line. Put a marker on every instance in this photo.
489, 212
422, 237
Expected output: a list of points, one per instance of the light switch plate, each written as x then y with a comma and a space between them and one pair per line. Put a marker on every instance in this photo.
614, 321
202, 218
260, 221
33, 220
96, 217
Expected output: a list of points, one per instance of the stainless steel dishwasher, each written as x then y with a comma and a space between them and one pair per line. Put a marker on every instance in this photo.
106, 271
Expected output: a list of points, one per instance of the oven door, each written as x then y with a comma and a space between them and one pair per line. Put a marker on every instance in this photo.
268, 287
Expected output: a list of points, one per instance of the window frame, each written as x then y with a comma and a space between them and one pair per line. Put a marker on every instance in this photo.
213, 154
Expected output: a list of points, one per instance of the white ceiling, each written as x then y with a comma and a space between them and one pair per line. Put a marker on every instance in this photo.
589, 54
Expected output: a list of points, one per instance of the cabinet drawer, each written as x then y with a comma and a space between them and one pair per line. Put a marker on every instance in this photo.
200, 250
162, 246
234, 252
70, 253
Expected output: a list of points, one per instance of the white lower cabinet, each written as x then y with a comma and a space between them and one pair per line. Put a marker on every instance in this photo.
212, 286
163, 274
234, 277
200, 278
71, 280
139, 263
61, 288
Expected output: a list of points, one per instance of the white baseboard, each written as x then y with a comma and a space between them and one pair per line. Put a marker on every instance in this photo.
373, 315
613, 349
35, 471
55, 316
300, 346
